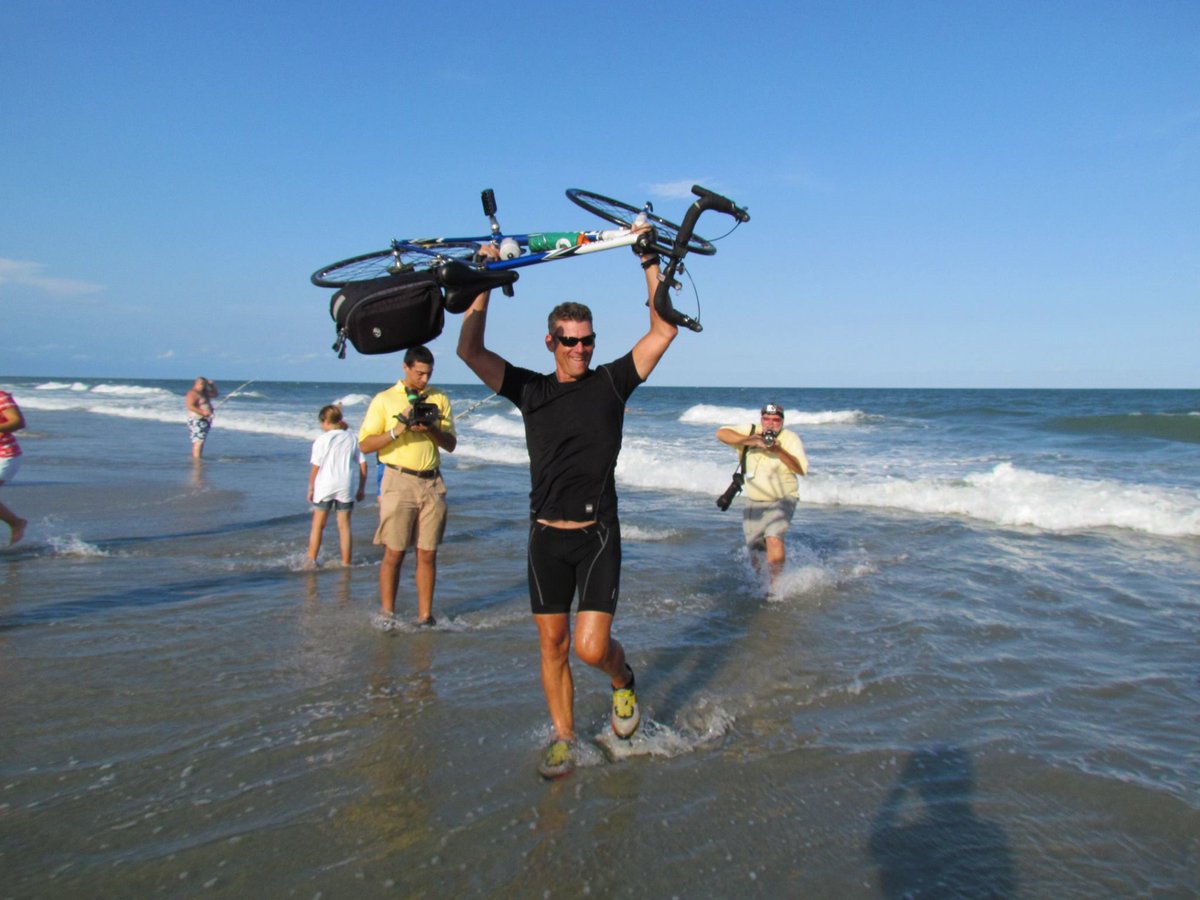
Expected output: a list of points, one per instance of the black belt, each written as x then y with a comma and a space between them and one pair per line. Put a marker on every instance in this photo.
428, 473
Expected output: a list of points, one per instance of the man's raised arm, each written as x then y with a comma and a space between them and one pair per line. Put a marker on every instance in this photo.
487, 366
651, 347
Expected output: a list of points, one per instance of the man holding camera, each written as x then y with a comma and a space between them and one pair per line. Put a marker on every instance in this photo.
773, 457
409, 425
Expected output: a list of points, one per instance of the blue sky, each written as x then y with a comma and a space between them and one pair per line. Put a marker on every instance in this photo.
944, 194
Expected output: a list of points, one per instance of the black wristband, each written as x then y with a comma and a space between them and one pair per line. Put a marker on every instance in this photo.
652, 261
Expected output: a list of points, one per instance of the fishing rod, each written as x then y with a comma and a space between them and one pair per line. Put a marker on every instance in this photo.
232, 394
474, 406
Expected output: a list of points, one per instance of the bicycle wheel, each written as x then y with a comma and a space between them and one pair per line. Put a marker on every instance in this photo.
403, 256
623, 214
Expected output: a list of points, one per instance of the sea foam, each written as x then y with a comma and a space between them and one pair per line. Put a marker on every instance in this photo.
707, 414
1011, 496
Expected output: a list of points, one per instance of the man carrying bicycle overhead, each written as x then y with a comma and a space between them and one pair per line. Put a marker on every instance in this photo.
574, 420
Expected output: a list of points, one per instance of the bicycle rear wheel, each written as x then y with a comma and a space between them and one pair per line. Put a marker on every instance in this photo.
402, 256
624, 215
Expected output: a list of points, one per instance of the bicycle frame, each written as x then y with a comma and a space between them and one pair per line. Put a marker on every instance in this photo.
455, 258
587, 242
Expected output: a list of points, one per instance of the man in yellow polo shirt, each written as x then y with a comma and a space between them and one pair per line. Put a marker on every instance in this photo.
409, 425
774, 457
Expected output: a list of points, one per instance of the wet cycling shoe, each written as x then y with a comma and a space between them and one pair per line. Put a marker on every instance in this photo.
626, 717
558, 761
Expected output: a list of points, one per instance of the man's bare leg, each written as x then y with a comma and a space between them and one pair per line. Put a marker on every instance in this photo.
426, 581
389, 579
595, 645
776, 555
554, 640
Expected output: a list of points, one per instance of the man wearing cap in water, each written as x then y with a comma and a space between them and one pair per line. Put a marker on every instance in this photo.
774, 457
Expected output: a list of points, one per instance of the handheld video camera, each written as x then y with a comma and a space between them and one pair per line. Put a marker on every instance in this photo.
735, 488
423, 413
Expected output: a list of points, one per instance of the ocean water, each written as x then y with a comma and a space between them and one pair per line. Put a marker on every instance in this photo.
978, 675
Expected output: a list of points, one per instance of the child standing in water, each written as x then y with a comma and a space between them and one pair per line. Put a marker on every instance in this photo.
335, 455
11, 421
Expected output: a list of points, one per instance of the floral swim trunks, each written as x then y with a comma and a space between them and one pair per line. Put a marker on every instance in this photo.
198, 427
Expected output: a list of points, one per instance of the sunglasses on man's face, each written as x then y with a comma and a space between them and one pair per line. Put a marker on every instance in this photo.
587, 340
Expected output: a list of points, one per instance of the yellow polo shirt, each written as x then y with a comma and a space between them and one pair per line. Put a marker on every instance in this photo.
411, 449
767, 476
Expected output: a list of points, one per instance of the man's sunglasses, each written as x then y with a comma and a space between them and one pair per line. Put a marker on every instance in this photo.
587, 340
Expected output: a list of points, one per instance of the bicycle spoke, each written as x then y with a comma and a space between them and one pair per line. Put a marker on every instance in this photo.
404, 256
624, 214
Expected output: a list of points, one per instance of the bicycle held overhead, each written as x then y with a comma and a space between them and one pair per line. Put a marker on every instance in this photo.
394, 298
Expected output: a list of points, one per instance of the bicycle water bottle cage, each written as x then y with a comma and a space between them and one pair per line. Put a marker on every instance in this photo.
462, 283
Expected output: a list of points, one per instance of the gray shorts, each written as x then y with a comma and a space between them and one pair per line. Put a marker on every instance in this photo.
762, 519
9, 465
331, 503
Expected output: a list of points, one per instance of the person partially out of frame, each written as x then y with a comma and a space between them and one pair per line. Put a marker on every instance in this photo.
412, 501
11, 421
574, 418
774, 457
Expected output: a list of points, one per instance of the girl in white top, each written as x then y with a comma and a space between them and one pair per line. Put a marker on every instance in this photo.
335, 455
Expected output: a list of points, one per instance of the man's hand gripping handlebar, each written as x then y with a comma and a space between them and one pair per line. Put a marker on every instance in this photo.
662, 295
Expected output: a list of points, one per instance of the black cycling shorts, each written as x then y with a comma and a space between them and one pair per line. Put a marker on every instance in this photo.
563, 561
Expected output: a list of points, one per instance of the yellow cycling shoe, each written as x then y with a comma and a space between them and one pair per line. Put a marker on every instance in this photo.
558, 761
626, 717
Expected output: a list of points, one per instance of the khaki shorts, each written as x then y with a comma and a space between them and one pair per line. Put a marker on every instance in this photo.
412, 511
762, 519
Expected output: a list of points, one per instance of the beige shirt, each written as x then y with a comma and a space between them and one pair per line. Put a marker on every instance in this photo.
767, 476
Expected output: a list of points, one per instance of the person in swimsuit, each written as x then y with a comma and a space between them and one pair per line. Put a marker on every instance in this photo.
198, 403
574, 419
11, 421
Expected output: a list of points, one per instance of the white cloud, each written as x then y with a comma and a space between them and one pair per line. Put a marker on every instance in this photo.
677, 190
30, 275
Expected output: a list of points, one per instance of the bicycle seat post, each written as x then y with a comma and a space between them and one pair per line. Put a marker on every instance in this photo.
488, 197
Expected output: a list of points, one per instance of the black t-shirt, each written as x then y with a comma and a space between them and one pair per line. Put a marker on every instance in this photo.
573, 432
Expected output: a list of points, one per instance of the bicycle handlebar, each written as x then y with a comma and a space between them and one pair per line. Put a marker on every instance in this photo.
662, 295
712, 200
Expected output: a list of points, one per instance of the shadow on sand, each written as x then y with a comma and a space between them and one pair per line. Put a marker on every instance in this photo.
927, 840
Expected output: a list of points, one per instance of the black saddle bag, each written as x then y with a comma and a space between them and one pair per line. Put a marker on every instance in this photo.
387, 314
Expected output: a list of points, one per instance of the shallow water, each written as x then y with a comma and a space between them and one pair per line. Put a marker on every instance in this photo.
977, 675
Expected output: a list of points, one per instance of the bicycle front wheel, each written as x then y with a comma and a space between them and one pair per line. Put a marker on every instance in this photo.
402, 256
624, 215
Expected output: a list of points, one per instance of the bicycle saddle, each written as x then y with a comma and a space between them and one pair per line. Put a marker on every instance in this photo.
462, 283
